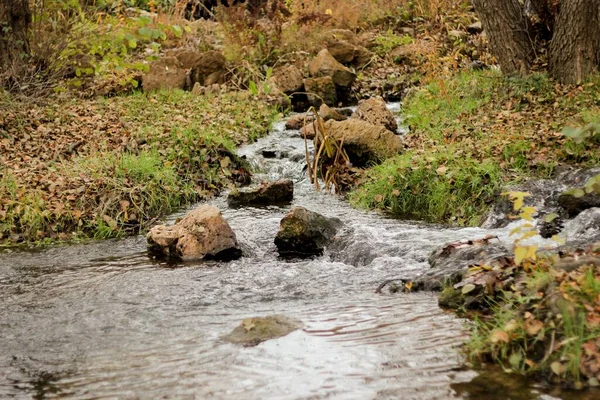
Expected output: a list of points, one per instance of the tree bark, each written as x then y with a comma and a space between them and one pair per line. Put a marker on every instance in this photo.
575, 46
506, 26
15, 19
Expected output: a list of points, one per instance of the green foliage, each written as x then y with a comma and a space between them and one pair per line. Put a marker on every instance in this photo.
388, 40
432, 186
587, 132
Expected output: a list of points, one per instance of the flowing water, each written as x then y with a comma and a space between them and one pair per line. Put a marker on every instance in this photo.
103, 320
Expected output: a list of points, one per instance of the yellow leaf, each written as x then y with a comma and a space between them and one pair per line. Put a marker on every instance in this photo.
329, 11
520, 254
525, 216
531, 250
408, 286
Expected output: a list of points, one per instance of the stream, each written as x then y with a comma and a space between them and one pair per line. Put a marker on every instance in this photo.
103, 320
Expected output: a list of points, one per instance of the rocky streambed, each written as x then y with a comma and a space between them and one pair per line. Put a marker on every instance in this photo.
106, 320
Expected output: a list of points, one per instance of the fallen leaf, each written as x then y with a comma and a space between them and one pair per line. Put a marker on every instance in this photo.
498, 336
533, 326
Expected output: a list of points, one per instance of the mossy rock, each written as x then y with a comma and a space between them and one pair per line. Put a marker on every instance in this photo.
255, 330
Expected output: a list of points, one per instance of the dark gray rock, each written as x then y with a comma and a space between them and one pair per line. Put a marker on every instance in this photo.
305, 233
450, 262
274, 193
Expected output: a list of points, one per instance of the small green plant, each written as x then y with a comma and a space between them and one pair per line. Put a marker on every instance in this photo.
388, 40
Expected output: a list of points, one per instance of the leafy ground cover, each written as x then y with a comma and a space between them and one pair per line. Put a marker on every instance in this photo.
474, 133
106, 167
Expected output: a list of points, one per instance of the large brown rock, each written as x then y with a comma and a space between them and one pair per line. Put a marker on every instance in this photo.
342, 51
202, 234
328, 113
374, 111
187, 57
288, 79
165, 73
273, 193
305, 233
321, 90
209, 69
363, 142
325, 65
297, 121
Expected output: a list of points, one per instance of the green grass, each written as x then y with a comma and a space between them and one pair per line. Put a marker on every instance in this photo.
432, 187
388, 40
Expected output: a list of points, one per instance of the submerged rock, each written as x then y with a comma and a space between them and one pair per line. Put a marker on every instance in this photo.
305, 233
279, 192
364, 143
253, 331
202, 234
374, 111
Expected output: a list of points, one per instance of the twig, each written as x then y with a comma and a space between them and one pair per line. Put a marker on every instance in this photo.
384, 283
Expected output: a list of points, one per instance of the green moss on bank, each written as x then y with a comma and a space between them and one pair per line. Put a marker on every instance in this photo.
474, 133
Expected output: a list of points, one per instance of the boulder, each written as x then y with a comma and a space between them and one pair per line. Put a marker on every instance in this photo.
305, 233
209, 69
165, 73
341, 34
450, 262
327, 113
363, 142
202, 234
321, 90
362, 57
375, 111
342, 51
325, 65
253, 331
288, 79
297, 121
188, 58
279, 192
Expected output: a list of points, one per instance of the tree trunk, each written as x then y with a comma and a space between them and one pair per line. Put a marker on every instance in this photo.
506, 26
575, 45
15, 19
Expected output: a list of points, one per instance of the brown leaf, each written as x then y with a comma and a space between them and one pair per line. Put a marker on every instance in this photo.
533, 326
498, 336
